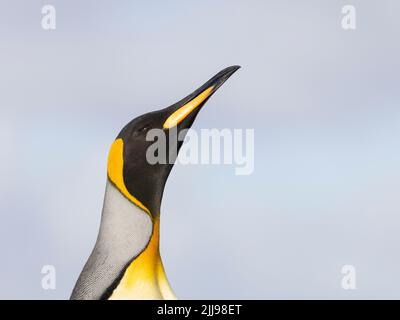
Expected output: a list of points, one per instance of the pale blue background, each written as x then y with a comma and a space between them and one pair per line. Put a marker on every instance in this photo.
324, 104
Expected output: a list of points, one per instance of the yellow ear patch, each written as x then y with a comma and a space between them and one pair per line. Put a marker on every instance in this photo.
115, 169
176, 117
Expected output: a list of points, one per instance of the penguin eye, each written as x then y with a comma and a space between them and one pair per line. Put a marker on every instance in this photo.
142, 129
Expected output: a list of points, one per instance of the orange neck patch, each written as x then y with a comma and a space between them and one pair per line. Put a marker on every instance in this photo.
145, 277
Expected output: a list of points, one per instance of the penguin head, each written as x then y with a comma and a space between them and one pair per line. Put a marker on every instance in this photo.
129, 168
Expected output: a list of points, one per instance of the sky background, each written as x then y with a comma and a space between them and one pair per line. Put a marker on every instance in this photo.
324, 104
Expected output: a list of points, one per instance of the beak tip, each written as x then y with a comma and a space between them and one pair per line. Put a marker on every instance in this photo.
183, 108
233, 68
223, 75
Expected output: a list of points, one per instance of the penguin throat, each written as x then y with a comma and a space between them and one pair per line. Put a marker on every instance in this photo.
145, 277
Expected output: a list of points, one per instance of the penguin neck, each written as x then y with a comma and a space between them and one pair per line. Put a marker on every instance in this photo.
145, 277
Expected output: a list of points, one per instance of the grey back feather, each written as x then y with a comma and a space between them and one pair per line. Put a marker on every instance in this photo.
125, 230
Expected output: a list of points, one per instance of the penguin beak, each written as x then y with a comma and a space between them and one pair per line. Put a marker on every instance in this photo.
187, 109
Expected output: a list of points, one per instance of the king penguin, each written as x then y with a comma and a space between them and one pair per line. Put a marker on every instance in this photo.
125, 262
